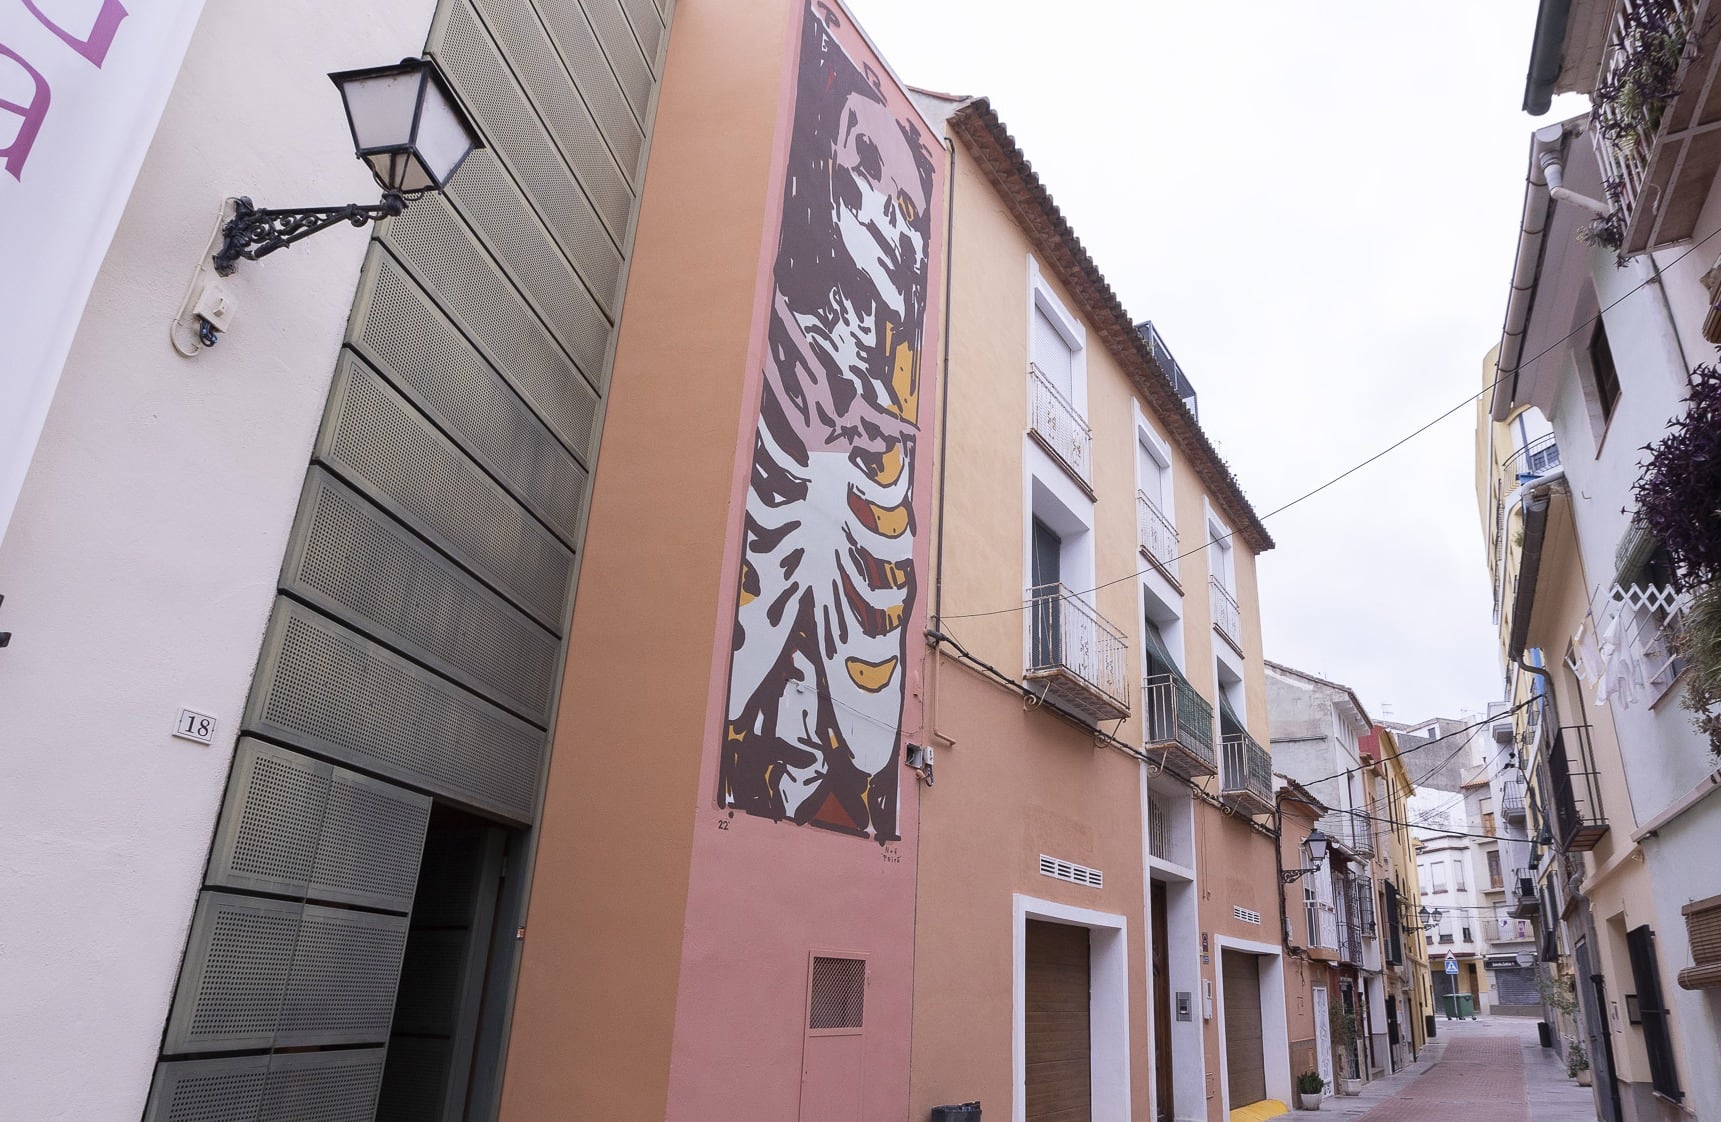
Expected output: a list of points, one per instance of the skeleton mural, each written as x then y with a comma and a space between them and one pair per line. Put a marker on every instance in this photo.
828, 574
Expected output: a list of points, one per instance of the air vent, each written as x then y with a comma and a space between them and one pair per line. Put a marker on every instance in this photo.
838, 997
1075, 874
1246, 915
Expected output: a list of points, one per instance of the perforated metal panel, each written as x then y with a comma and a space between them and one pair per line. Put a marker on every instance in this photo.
301, 827
599, 88
647, 27
513, 129
338, 1086
838, 993
352, 560
623, 51
444, 253
264, 973
377, 442
330, 691
399, 330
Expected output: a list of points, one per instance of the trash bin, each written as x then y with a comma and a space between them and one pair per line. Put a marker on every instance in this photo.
1466, 1006
1546, 1032
1428, 1025
966, 1112
1449, 1001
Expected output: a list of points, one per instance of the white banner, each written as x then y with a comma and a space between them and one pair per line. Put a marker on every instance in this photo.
82, 87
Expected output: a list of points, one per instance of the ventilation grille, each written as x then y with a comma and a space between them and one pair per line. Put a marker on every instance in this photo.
363, 567
334, 693
838, 993
261, 973
336, 1086
1246, 916
387, 449
578, 43
1075, 874
512, 128
300, 827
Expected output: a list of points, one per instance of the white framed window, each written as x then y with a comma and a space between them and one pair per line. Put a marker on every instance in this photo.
1437, 876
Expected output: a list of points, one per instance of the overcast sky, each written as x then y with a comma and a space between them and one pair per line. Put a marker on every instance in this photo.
1317, 204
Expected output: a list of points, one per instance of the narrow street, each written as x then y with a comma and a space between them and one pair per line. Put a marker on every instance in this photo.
1490, 1070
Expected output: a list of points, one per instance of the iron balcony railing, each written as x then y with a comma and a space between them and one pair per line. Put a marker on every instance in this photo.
1351, 829
1537, 457
1512, 800
1227, 618
1245, 773
1525, 903
1077, 654
1575, 788
1179, 723
1154, 532
1180, 382
1056, 424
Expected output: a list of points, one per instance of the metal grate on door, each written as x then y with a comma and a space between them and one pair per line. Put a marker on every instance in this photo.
838, 993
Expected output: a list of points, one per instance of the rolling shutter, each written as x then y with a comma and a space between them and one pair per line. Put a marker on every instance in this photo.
1058, 1051
1245, 1061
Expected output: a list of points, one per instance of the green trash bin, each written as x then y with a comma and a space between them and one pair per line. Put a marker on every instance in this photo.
1466, 1006
1449, 1002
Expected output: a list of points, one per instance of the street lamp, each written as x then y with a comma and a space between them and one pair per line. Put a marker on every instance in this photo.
1314, 851
1429, 919
407, 125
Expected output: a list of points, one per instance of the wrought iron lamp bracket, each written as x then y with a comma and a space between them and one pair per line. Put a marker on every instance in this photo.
1291, 876
253, 232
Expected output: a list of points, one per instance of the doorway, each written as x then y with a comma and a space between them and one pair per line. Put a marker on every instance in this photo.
1164, 1094
1245, 1056
1058, 1041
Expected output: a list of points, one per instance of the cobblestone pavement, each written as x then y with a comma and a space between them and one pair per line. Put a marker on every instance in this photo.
1489, 1070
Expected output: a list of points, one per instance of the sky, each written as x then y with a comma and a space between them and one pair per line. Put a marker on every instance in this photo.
1318, 206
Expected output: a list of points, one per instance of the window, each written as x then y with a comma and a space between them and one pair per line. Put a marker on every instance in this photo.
1603, 371
1465, 930
1488, 823
1495, 880
1645, 972
1047, 577
1437, 876
1458, 874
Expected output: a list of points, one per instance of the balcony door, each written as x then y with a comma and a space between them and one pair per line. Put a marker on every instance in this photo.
1047, 575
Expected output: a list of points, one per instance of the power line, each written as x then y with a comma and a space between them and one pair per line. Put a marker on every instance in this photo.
1353, 469
1403, 752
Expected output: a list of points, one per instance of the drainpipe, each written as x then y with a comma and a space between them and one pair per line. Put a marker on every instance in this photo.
1552, 170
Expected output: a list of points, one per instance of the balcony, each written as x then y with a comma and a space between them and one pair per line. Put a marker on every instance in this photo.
1245, 774
1351, 829
1525, 902
1076, 655
1659, 155
1155, 534
1512, 800
1059, 429
1227, 618
1575, 789
1179, 724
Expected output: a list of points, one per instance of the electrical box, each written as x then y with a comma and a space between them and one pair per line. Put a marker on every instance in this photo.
1206, 999
1184, 1004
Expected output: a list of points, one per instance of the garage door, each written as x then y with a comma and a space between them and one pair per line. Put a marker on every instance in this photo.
1245, 1069
1056, 1014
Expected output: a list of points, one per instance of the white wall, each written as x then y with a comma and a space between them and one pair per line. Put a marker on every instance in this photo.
140, 563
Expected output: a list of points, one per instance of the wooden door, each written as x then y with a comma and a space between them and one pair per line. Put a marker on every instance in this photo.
1163, 1093
1245, 1064
1059, 1045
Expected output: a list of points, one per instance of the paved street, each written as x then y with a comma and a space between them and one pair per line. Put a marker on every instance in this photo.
1490, 1070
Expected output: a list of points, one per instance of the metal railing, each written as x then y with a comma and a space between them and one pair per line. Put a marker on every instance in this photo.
1575, 789
1246, 771
1154, 532
1071, 642
1538, 457
1227, 617
1512, 800
1180, 382
1178, 720
1055, 422
1624, 137
1351, 829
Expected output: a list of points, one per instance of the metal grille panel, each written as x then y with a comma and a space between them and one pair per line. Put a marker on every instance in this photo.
623, 51
335, 693
261, 973
442, 251
647, 27
511, 127
838, 998
301, 827
383, 446
573, 34
352, 560
297, 1087
427, 358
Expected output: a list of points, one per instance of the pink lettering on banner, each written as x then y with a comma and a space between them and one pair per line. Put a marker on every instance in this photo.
94, 46
31, 116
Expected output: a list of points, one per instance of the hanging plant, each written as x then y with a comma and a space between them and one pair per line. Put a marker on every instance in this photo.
1608, 230
1678, 494
1628, 106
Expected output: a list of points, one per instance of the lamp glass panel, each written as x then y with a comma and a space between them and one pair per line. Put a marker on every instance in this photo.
444, 138
382, 108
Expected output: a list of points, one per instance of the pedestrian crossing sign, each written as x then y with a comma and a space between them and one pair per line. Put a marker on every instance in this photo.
1451, 963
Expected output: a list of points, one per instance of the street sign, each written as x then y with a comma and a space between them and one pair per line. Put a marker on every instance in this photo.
1451, 963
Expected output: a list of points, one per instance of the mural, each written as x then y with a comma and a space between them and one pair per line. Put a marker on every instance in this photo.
828, 576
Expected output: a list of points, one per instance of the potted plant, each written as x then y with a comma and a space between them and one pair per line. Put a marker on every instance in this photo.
1577, 1062
1344, 1030
1309, 1088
